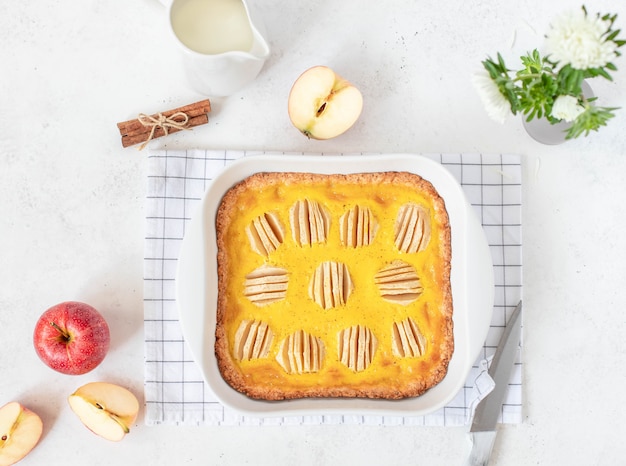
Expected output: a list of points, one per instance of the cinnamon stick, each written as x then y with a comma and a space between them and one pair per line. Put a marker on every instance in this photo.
135, 132
191, 110
137, 138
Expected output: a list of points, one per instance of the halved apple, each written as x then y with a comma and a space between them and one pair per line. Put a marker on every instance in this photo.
322, 104
106, 409
20, 430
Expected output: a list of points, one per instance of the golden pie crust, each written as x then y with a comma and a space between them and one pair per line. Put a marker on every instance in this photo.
333, 286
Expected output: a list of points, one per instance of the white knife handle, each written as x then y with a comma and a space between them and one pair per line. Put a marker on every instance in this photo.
482, 444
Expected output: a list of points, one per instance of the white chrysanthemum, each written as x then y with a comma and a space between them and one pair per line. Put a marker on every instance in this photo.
576, 38
497, 106
566, 107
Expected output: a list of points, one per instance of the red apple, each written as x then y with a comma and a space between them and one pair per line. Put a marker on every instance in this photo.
72, 338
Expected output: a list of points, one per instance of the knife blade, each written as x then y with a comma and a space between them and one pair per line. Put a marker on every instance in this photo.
482, 431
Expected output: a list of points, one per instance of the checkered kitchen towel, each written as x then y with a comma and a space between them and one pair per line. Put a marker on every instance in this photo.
174, 388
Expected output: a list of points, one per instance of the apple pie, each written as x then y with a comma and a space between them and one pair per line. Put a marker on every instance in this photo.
333, 286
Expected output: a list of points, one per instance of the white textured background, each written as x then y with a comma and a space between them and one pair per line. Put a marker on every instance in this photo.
71, 210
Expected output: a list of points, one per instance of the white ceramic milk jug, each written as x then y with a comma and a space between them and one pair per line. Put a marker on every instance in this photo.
222, 43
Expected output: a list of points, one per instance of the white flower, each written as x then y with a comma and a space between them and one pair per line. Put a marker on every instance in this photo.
496, 105
566, 107
577, 39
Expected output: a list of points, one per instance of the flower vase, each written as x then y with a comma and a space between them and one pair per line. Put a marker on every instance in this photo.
541, 130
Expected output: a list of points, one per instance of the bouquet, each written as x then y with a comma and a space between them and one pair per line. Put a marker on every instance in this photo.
578, 46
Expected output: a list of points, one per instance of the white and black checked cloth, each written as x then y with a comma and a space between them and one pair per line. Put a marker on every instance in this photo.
175, 392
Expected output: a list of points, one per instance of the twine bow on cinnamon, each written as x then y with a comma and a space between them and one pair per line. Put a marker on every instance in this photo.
161, 121
147, 127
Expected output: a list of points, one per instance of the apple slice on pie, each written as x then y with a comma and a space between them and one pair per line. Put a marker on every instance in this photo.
398, 283
301, 353
357, 345
412, 228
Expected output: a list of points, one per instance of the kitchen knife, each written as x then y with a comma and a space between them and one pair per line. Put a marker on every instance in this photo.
482, 432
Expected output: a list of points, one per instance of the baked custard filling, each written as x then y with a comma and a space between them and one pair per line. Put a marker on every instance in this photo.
333, 286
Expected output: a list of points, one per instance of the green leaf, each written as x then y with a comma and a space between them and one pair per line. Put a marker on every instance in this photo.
602, 72
592, 119
500, 75
612, 35
570, 80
